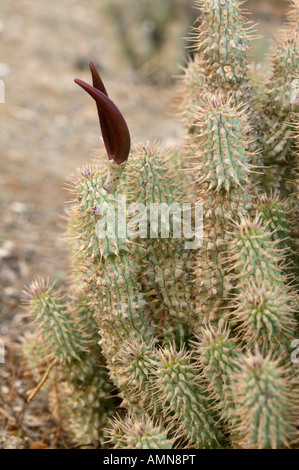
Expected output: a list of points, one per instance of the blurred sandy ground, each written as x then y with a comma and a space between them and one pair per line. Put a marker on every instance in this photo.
49, 125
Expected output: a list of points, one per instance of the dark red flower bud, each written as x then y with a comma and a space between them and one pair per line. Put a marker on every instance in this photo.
114, 128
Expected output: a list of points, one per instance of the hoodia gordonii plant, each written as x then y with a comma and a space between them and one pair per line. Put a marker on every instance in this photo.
181, 327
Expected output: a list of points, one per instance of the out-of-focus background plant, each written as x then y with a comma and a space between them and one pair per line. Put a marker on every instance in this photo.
48, 127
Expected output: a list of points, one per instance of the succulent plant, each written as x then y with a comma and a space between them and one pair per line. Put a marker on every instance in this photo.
194, 338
